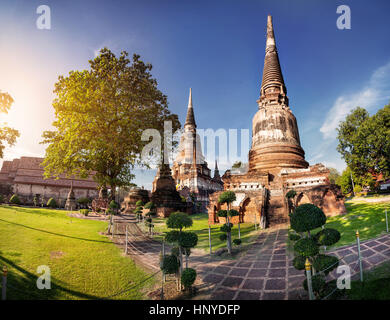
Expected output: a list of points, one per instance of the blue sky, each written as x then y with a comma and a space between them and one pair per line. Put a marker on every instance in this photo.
215, 47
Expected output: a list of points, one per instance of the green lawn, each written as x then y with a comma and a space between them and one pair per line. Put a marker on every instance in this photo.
83, 263
200, 227
368, 218
376, 285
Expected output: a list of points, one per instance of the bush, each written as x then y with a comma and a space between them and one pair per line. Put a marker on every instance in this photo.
227, 227
15, 199
1, 198
294, 236
150, 205
317, 281
170, 264
83, 201
179, 220
175, 251
227, 197
188, 277
306, 247
113, 205
291, 194
172, 236
325, 263
222, 213
233, 213
139, 203
327, 237
223, 237
237, 242
307, 217
299, 262
52, 203
357, 189
188, 239
84, 212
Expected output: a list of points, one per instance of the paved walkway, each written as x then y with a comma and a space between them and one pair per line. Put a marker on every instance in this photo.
264, 272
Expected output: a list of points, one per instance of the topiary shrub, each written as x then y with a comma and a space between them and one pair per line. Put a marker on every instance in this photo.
170, 264
188, 239
227, 227
237, 242
223, 237
327, 237
179, 220
306, 247
84, 212
318, 282
172, 236
307, 217
52, 203
299, 262
15, 199
294, 236
188, 278
139, 203
325, 263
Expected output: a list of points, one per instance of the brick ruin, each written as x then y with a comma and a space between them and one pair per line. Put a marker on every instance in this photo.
276, 159
24, 177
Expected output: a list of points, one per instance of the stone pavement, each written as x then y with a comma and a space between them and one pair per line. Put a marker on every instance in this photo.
264, 272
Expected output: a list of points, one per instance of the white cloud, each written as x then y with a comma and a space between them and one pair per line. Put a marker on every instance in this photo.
375, 92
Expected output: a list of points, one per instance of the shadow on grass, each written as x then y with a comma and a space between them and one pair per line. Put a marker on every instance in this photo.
53, 233
23, 287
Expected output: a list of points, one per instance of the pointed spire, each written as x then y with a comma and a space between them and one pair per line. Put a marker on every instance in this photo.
272, 73
190, 112
217, 177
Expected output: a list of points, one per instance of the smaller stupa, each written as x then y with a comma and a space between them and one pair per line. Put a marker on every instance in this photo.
71, 199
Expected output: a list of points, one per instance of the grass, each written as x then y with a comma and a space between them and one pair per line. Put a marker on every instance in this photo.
376, 285
83, 263
200, 227
368, 218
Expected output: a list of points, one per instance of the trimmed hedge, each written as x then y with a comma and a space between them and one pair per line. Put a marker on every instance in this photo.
327, 237
84, 212
188, 277
170, 264
306, 247
223, 237
237, 242
325, 263
188, 239
172, 236
299, 262
307, 217
179, 220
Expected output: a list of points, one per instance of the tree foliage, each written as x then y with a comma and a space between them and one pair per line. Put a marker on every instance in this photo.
7, 134
364, 141
101, 114
179, 220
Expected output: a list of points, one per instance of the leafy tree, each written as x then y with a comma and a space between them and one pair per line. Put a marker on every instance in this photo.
306, 218
333, 175
227, 197
364, 142
7, 134
101, 114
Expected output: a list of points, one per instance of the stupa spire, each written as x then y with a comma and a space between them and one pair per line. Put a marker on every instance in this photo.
190, 119
272, 81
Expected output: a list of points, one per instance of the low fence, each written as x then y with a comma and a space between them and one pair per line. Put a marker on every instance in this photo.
356, 264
